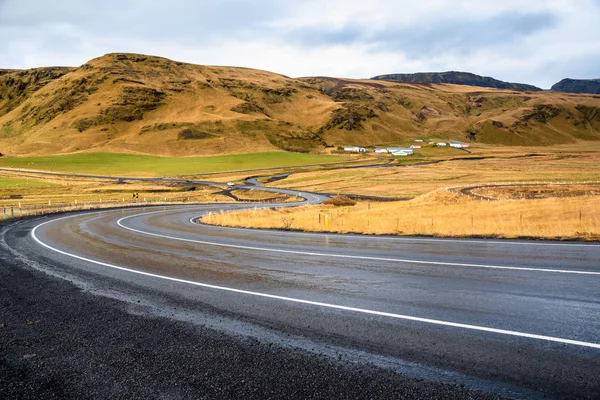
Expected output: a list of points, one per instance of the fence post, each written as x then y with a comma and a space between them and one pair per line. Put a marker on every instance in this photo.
26, 210
34, 209
42, 209
4, 208
12, 212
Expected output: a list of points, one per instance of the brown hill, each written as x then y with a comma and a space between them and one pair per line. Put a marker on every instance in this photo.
138, 103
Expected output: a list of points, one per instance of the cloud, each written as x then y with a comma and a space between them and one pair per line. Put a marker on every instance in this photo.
424, 38
532, 42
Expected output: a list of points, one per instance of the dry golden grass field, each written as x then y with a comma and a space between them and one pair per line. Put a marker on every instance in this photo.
437, 214
570, 163
570, 211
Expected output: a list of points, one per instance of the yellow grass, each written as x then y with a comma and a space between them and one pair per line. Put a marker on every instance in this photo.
29, 189
502, 164
438, 214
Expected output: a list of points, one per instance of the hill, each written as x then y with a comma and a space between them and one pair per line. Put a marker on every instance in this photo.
578, 86
456, 78
152, 105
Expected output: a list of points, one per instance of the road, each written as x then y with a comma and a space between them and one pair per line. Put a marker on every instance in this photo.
516, 318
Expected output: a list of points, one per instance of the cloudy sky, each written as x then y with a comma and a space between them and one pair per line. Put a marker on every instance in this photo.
535, 41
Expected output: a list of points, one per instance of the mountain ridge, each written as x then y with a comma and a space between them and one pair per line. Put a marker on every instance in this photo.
123, 102
457, 78
591, 86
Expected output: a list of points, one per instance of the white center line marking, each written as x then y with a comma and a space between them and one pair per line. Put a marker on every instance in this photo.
317, 303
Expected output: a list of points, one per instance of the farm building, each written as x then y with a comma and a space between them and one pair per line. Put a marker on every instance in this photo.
464, 145
456, 145
355, 149
441, 144
418, 140
416, 146
396, 150
381, 151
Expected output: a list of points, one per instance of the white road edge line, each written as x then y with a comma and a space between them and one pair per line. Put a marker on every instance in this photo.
316, 303
306, 253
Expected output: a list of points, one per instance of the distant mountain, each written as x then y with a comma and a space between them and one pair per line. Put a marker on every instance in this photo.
578, 86
457, 78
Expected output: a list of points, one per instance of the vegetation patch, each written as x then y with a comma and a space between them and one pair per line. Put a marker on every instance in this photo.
591, 114
18, 86
249, 108
340, 201
133, 103
405, 102
350, 117
541, 113
351, 94
300, 142
83, 124
279, 95
193, 134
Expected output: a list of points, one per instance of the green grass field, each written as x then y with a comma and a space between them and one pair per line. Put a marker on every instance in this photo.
144, 165
16, 183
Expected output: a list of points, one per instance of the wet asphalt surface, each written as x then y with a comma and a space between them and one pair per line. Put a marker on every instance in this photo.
73, 328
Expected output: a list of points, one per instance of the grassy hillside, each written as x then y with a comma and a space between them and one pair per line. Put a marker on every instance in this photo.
132, 103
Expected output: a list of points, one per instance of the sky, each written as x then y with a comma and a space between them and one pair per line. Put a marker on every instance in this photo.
537, 41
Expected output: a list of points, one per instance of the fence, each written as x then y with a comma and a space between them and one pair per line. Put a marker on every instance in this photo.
26, 210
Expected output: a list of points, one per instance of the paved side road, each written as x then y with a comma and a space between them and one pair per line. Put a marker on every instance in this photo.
58, 341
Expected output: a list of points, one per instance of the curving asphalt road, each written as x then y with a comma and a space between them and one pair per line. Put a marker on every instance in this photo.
515, 318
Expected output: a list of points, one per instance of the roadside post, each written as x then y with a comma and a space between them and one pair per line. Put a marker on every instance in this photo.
4, 208
12, 212
327, 222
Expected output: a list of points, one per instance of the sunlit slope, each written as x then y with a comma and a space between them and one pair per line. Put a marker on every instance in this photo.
152, 105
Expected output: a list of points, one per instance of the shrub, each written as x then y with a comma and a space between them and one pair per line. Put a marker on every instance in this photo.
340, 201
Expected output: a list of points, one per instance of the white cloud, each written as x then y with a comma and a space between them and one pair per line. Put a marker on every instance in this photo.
537, 42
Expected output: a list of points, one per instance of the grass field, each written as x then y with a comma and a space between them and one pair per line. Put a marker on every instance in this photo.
498, 164
18, 183
145, 165
437, 214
